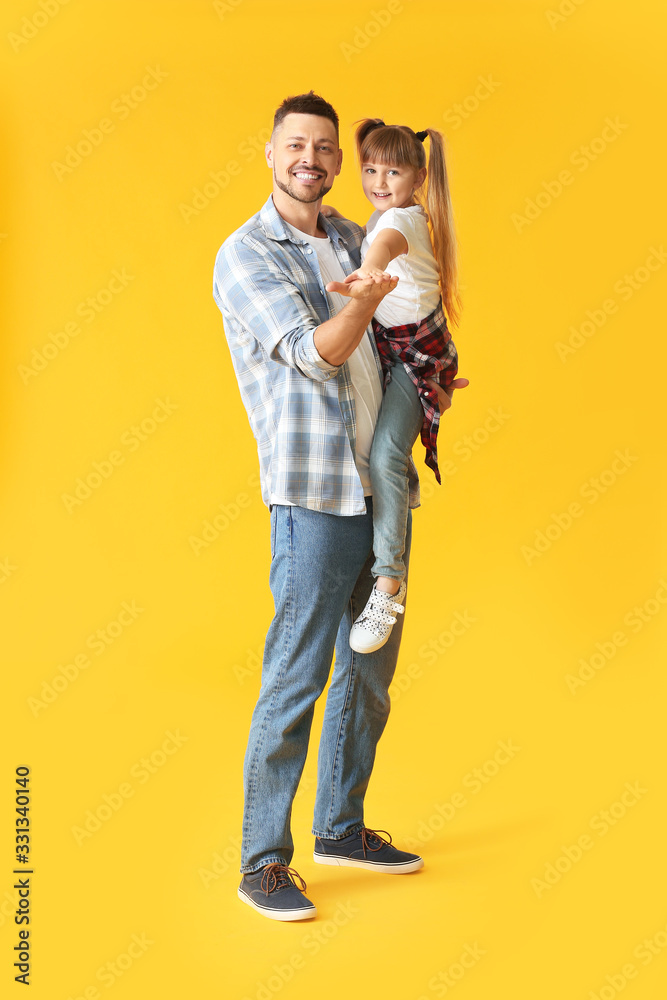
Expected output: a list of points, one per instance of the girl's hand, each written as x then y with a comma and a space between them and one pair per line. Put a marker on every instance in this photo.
365, 289
367, 272
329, 212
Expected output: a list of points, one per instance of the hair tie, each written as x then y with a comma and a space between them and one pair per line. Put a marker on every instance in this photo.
422, 135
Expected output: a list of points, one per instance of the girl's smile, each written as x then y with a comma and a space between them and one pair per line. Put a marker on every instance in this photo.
387, 186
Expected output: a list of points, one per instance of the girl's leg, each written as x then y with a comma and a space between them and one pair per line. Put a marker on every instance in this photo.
398, 425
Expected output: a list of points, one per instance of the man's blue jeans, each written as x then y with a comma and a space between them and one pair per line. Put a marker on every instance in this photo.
320, 580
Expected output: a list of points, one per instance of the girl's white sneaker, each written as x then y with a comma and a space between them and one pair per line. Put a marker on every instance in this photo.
373, 626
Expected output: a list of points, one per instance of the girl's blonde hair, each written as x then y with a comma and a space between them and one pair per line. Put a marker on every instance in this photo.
398, 146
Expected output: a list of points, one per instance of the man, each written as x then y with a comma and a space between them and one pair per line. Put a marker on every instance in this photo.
310, 379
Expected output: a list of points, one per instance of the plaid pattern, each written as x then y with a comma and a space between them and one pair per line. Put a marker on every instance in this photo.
268, 287
427, 351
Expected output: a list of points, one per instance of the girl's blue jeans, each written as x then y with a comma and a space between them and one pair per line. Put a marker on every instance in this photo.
398, 424
320, 580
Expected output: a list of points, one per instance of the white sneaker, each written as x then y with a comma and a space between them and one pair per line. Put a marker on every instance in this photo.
373, 626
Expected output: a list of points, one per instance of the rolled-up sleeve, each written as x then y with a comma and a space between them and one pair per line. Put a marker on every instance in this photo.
259, 300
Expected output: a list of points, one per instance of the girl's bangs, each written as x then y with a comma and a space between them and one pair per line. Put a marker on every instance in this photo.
388, 149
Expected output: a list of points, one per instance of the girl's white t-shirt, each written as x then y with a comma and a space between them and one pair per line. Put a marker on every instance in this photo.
417, 293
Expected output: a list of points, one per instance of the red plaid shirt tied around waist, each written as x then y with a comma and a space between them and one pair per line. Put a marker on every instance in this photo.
427, 351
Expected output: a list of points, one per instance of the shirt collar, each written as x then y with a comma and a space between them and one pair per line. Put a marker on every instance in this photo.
276, 228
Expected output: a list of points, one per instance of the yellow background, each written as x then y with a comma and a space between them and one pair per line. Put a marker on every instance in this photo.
164, 864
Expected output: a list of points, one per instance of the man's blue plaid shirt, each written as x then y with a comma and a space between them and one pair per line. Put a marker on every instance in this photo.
268, 287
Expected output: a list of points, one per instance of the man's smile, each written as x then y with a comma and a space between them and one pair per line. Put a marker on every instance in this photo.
307, 175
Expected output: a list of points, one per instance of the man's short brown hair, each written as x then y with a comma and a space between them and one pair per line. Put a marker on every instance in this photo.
305, 104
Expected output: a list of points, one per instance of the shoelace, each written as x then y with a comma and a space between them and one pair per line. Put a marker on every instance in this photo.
277, 874
378, 614
366, 832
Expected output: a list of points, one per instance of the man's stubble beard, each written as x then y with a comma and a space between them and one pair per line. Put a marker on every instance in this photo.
289, 190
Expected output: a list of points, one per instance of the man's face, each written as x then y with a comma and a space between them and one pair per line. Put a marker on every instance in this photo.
304, 156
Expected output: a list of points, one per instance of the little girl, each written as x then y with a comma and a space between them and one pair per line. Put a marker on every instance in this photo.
412, 337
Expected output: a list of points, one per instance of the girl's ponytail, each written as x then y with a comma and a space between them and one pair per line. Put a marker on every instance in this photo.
441, 220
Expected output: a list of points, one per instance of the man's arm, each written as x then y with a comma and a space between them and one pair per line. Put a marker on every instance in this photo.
257, 299
336, 339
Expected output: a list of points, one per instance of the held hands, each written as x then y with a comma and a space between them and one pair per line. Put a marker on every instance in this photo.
366, 271
369, 288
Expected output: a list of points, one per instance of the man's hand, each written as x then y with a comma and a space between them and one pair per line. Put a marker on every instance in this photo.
445, 395
367, 289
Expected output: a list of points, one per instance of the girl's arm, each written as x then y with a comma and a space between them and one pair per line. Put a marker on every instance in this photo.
388, 243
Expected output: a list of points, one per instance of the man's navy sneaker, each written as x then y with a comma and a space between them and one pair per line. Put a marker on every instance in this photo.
272, 891
366, 849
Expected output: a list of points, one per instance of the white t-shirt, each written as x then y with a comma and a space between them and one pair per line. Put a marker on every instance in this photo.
417, 293
366, 383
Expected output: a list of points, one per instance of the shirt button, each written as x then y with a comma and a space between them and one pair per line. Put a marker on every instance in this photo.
309, 250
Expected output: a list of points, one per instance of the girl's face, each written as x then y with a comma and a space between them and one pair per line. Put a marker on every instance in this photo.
390, 187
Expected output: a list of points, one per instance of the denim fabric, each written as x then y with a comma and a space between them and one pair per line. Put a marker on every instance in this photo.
399, 422
320, 580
